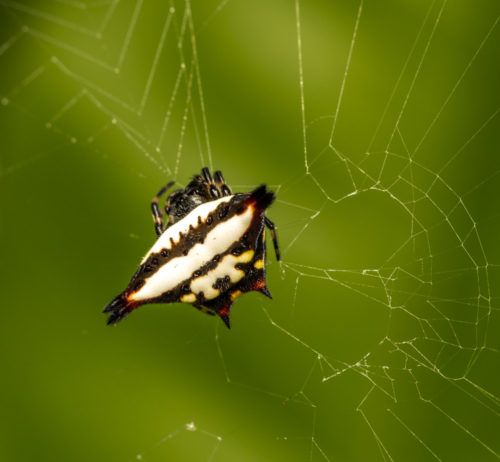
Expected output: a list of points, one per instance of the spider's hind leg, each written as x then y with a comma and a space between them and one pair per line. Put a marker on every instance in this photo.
272, 228
157, 213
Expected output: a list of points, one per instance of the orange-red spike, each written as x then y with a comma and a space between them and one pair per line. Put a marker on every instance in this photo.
260, 286
224, 315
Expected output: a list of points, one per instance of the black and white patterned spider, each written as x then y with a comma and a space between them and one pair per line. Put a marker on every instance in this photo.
211, 250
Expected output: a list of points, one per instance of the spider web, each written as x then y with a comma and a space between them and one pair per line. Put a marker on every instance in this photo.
382, 338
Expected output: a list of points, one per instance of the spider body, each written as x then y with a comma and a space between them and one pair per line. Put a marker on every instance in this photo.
211, 252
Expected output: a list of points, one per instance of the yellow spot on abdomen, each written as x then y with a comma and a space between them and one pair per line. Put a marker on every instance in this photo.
245, 257
259, 264
211, 293
225, 268
236, 294
188, 298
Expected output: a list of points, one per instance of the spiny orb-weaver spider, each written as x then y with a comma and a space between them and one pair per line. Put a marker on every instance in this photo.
211, 251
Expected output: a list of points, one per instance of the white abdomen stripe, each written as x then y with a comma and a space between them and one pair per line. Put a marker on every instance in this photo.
182, 226
217, 241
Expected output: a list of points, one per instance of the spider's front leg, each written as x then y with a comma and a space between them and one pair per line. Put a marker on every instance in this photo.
207, 176
221, 184
157, 213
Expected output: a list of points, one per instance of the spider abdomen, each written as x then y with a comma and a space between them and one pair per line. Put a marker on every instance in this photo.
208, 258
180, 267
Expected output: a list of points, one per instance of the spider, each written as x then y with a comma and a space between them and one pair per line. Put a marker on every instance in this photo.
210, 251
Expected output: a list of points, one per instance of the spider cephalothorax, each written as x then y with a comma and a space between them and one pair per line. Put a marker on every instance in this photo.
211, 252
202, 188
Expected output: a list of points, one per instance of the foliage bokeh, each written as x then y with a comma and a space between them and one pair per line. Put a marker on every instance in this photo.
76, 179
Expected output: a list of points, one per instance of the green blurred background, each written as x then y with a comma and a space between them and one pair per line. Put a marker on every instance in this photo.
382, 339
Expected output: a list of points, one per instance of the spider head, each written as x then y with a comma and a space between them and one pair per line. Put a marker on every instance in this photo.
182, 201
179, 204
202, 188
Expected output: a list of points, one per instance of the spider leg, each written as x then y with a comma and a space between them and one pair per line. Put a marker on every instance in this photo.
214, 192
207, 176
157, 213
272, 228
221, 183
